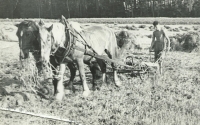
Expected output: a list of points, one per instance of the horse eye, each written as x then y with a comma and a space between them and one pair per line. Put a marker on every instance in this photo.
27, 34
48, 38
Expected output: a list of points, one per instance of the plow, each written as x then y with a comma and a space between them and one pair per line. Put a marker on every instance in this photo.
142, 69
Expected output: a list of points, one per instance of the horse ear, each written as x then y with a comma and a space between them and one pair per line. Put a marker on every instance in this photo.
41, 23
50, 28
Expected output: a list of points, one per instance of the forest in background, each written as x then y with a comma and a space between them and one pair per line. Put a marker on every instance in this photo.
52, 9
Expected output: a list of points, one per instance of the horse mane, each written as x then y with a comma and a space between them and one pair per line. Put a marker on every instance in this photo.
76, 26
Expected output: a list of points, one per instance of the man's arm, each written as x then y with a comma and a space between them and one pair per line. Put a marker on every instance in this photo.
152, 43
168, 40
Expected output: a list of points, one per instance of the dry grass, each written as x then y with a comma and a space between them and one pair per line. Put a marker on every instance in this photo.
173, 99
29, 72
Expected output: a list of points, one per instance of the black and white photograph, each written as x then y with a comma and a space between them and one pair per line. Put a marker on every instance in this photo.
99, 62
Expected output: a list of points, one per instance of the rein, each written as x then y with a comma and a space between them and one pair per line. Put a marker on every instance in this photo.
69, 45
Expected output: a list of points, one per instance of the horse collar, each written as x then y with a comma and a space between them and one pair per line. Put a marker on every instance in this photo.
69, 43
68, 46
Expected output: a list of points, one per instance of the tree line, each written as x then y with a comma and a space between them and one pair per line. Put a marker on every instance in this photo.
98, 8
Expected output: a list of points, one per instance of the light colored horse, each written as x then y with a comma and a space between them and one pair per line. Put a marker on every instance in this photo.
99, 40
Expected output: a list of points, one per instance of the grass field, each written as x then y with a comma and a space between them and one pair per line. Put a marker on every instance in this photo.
173, 99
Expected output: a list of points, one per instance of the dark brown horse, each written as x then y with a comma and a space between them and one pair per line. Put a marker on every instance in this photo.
99, 40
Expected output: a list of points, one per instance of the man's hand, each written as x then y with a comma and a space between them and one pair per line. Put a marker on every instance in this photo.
150, 49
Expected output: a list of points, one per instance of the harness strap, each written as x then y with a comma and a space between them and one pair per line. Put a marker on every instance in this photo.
68, 45
102, 57
85, 43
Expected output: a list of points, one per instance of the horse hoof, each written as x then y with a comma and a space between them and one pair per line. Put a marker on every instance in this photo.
94, 88
73, 89
118, 83
67, 91
59, 96
86, 93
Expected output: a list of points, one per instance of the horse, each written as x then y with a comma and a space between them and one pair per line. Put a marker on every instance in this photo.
27, 34
99, 40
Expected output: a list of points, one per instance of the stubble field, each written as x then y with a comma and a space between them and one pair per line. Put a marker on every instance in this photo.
173, 99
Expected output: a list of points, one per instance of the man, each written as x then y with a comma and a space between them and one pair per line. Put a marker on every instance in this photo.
159, 43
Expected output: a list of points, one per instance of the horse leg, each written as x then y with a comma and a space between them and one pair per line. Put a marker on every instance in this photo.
102, 65
53, 67
72, 69
60, 86
55, 81
95, 74
160, 67
80, 64
116, 79
92, 69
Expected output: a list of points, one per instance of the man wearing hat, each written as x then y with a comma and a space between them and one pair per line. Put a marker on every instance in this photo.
159, 43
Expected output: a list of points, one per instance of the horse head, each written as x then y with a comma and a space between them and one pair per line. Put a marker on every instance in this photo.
27, 35
45, 41
124, 39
